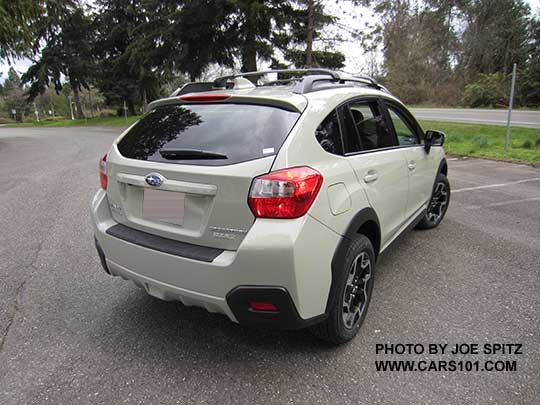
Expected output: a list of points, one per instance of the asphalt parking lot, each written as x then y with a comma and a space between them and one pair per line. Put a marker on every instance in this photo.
71, 334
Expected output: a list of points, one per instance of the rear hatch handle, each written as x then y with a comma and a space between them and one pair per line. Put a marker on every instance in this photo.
169, 185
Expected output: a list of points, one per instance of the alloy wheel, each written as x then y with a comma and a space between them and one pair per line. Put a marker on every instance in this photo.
439, 202
355, 296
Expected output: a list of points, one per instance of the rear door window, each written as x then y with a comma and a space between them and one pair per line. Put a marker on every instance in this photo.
366, 127
208, 134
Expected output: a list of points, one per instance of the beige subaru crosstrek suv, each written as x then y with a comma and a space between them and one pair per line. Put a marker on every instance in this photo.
268, 200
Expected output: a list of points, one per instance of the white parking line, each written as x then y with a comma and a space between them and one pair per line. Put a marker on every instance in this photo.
502, 203
460, 190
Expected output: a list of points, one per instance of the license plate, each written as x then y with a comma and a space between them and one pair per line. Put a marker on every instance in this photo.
163, 206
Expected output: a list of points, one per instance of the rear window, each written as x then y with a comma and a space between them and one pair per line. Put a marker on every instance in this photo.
208, 134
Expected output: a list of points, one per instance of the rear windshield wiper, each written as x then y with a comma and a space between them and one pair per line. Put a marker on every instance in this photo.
187, 154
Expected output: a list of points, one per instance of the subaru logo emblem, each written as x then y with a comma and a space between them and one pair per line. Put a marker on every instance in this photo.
154, 180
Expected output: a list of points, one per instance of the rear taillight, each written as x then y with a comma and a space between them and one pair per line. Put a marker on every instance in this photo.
286, 193
103, 172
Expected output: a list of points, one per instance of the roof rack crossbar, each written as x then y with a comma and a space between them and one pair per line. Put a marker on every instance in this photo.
220, 81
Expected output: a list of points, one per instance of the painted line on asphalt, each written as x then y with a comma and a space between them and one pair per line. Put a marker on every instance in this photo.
461, 190
502, 203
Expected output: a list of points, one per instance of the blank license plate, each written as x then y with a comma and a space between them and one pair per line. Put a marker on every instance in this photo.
163, 206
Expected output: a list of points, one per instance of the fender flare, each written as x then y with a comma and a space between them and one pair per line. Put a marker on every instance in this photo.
443, 167
361, 217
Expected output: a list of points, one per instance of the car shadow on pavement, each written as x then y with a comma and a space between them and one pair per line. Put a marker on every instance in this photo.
140, 325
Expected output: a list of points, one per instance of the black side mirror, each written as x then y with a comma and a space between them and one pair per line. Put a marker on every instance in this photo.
433, 138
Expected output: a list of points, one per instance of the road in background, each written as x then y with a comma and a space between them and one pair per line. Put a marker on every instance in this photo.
530, 119
69, 333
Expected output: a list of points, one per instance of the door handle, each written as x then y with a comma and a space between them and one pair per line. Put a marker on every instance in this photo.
371, 176
411, 165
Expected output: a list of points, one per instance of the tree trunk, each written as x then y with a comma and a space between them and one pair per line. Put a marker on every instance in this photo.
144, 99
131, 107
249, 49
90, 102
249, 59
76, 96
309, 39
51, 104
506, 60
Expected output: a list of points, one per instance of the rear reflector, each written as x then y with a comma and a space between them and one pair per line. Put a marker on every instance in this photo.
263, 306
205, 98
103, 172
286, 194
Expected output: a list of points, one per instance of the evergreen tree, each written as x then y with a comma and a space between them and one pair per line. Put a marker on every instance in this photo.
195, 37
495, 37
14, 97
25, 23
258, 25
307, 19
323, 59
117, 26
67, 54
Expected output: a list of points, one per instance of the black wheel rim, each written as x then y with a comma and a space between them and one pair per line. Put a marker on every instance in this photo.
438, 204
355, 296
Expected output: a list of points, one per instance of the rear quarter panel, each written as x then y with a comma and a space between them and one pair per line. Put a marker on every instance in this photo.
331, 208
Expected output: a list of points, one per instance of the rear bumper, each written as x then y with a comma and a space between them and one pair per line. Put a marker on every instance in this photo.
288, 261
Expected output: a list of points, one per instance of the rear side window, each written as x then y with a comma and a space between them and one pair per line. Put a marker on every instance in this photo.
208, 134
329, 136
368, 130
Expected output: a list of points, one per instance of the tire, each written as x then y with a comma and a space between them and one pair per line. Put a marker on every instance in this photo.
349, 305
438, 204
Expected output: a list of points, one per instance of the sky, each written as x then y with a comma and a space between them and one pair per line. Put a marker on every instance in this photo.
349, 15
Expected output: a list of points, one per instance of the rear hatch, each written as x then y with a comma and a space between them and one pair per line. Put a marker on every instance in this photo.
184, 170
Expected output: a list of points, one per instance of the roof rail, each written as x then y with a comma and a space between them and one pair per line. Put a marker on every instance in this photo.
307, 85
304, 84
370, 81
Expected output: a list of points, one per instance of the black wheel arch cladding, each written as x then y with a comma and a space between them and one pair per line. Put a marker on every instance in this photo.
443, 167
364, 216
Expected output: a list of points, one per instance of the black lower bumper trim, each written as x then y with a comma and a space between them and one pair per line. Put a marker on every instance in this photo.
286, 317
101, 256
173, 247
